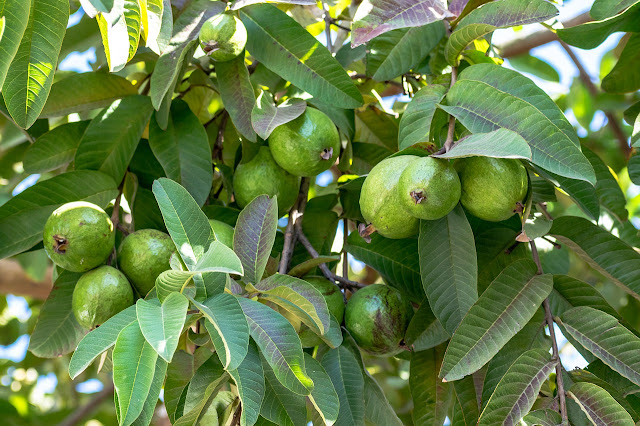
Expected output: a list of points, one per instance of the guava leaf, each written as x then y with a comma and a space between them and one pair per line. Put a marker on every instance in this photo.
378, 410
249, 379
242, 3
582, 193
93, 7
307, 266
120, 30
13, 28
219, 258
425, 331
237, 94
501, 143
415, 124
374, 126
536, 66
603, 9
625, 76
543, 417
54, 149
599, 406
323, 397
152, 22
209, 377
431, 396
607, 187
465, 408
280, 405
162, 325
266, 116
179, 373
149, 407
348, 380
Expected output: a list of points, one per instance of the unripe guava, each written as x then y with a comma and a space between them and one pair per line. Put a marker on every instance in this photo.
223, 232
306, 146
335, 303
493, 189
261, 176
223, 37
377, 317
143, 256
380, 199
429, 188
78, 236
100, 294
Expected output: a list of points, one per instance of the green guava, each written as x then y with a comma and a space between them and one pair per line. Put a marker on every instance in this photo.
100, 294
143, 256
429, 188
78, 236
261, 176
306, 146
223, 232
377, 317
223, 37
380, 199
493, 189
335, 303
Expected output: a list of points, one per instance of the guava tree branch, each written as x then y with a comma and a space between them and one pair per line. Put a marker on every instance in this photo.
295, 214
452, 120
77, 416
14, 280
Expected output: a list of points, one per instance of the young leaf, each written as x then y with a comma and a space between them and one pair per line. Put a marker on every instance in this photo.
183, 150
249, 379
30, 75
415, 123
57, 332
100, 340
280, 345
375, 17
237, 94
266, 116
172, 281
22, 218
144, 419
501, 143
424, 330
501, 311
524, 108
120, 30
431, 396
517, 391
599, 406
283, 46
254, 236
219, 258
209, 377
12, 32
449, 274
134, 362
55, 148
348, 380
111, 139
280, 405
323, 397
162, 325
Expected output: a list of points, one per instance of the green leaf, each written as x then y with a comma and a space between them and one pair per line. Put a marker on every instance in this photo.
375, 17
111, 139
536, 66
237, 94
279, 343
299, 297
100, 340
179, 373
348, 380
57, 332
280, 405
397, 52
449, 274
600, 407
183, 151
93, 7
162, 325
134, 362
543, 417
583, 193
603, 9
219, 258
378, 410
605, 338
323, 397
237, 4
500, 312
517, 391
283, 46
187, 224
55, 148
307, 266
254, 236
85, 92
625, 77
487, 97
424, 330
569, 292
22, 218
266, 116
634, 169
431, 396
120, 30
30, 75
249, 379
16, 17
172, 281
492, 16
501, 143
603, 251
607, 187
374, 126
209, 377
227, 327
466, 409
415, 123
150, 403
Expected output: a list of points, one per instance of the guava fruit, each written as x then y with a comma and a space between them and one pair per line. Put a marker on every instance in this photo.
262, 175
78, 236
380, 199
493, 189
335, 303
429, 188
377, 317
223, 37
143, 256
100, 294
306, 146
223, 232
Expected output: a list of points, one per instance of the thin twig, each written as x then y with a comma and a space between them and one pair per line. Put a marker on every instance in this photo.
327, 25
216, 154
542, 208
452, 119
236, 416
333, 22
115, 215
77, 416
295, 214
345, 255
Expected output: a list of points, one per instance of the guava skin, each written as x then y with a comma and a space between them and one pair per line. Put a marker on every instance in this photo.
100, 294
306, 146
377, 317
143, 255
223, 232
429, 188
380, 202
492, 188
78, 236
261, 176
335, 302
223, 37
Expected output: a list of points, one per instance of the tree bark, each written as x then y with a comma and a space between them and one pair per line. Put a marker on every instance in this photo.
13, 280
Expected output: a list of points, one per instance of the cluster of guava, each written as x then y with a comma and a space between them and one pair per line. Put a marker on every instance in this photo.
401, 190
